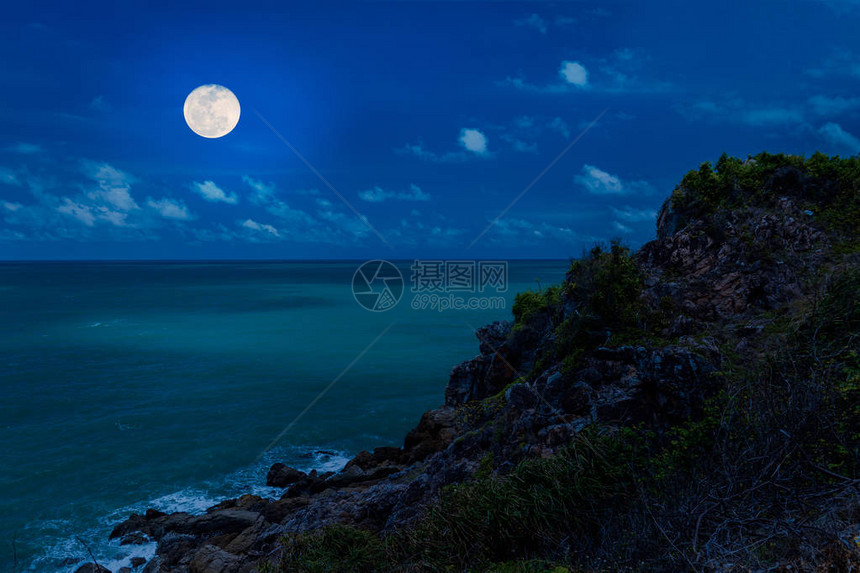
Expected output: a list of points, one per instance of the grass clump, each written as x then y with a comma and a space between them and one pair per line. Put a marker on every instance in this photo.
334, 548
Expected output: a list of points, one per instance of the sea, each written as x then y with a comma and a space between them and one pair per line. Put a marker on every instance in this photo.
175, 385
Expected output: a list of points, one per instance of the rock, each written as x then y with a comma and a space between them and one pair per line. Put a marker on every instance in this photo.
310, 484
92, 568
521, 397
493, 336
248, 502
137, 562
145, 523
224, 521
153, 513
246, 539
124, 570
281, 475
433, 433
278, 510
173, 549
486, 374
211, 559
134, 538
346, 477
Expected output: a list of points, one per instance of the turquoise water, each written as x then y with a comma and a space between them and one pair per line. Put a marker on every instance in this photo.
134, 385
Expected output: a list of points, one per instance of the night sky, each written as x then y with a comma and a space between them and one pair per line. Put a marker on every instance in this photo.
427, 120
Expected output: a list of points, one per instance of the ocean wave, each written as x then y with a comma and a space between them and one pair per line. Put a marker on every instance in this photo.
64, 553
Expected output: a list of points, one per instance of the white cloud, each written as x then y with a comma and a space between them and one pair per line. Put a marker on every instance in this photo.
839, 138
111, 201
574, 73
25, 148
170, 209
828, 106
114, 186
533, 21
211, 192
736, 110
473, 140
294, 217
518, 144
98, 103
378, 195
625, 54
418, 150
632, 215
525, 131
771, 116
82, 213
8, 177
559, 125
599, 182
838, 63
263, 228
11, 206
510, 230
264, 192
621, 227
619, 73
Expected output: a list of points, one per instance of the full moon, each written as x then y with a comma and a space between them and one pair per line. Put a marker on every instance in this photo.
211, 111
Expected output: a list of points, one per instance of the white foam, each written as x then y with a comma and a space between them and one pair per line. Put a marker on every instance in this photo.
248, 480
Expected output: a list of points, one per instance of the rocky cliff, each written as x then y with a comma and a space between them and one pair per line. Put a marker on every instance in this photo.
689, 406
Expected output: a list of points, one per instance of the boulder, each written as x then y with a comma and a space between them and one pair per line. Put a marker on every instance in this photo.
281, 475
211, 559
278, 510
433, 433
224, 521
134, 538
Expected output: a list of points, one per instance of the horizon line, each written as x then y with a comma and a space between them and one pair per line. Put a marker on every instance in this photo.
273, 260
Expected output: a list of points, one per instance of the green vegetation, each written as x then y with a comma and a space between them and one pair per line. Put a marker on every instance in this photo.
828, 186
490, 521
530, 306
769, 472
783, 431
335, 548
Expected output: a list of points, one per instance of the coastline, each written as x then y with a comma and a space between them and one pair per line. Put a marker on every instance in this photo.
577, 414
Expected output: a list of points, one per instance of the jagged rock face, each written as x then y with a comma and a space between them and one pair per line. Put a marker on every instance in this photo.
726, 265
489, 372
434, 432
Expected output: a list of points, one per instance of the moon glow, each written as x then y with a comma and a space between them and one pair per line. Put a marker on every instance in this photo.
211, 111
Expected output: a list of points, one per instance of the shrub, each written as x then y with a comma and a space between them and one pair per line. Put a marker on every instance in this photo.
335, 548
829, 186
530, 305
530, 511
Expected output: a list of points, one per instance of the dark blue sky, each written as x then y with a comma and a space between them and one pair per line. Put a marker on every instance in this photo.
428, 118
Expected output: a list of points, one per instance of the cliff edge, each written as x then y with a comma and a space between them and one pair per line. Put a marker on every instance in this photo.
691, 406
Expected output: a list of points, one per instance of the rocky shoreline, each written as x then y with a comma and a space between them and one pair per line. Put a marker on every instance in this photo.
520, 398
